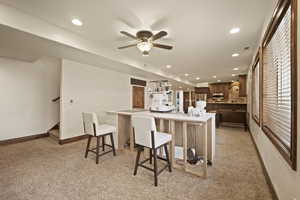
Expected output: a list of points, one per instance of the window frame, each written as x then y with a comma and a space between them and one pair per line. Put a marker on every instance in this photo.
257, 61
289, 154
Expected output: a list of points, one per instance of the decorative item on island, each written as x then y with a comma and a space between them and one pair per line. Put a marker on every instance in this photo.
199, 110
160, 97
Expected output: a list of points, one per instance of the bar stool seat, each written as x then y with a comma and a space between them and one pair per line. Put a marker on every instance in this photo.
104, 129
161, 139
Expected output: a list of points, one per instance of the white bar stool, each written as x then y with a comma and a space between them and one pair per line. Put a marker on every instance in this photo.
146, 136
93, 129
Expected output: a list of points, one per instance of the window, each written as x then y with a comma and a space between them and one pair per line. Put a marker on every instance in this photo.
279, 81
256, 79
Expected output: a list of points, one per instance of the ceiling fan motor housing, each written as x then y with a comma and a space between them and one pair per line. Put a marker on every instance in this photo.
144, 35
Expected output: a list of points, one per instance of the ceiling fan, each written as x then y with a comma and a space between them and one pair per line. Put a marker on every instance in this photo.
145, 41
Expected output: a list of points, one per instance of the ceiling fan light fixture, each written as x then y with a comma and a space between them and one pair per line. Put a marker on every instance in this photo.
144, 41
144, 47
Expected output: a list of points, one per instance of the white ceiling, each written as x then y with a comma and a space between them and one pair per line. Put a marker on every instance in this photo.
198, 30
27, 47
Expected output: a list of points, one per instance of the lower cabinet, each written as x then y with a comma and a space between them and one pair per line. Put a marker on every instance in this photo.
233, 115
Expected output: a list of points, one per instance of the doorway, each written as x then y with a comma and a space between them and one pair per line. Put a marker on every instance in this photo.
138, 97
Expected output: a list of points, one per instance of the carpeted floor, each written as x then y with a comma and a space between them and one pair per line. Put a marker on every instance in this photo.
43, 170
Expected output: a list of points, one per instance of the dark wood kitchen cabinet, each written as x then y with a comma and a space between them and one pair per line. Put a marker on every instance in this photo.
186, 101
229, 114
202, 90
220, 88
243, 85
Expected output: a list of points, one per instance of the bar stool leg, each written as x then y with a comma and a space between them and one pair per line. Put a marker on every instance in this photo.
97, 150
155, 166
137, 161
167, 156
112, 143
103, 143
150, 156
88, 146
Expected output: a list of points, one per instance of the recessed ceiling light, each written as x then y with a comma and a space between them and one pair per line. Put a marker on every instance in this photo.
235, 69
186, 74
235, 55
168, 66
198, 78
77, 22
235, 30
214, 76
233, 74
219, 80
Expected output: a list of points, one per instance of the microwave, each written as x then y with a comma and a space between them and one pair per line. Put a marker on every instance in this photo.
218, 96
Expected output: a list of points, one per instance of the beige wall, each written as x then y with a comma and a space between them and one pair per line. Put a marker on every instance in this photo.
92, 89
27, 90
285, 180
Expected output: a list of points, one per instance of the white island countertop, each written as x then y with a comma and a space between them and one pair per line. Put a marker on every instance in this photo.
169, 116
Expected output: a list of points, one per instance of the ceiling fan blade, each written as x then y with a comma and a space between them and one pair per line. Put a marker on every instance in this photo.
128, 34
162, 46
124, 47
159, 35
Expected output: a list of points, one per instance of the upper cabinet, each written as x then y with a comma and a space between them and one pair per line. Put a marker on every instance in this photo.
202, 90
220, 88
231, 90
243, 85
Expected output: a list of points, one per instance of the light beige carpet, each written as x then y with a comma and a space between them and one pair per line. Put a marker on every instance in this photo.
44, 170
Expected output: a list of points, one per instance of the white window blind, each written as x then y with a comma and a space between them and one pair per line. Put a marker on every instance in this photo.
277, 83
256, 103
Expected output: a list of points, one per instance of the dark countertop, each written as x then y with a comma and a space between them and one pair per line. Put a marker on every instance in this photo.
227, 102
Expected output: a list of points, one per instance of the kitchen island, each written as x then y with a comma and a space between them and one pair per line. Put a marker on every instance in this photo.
187, 132
233, 114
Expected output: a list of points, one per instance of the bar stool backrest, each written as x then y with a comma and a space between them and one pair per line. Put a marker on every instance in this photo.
90, 123
143, 125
